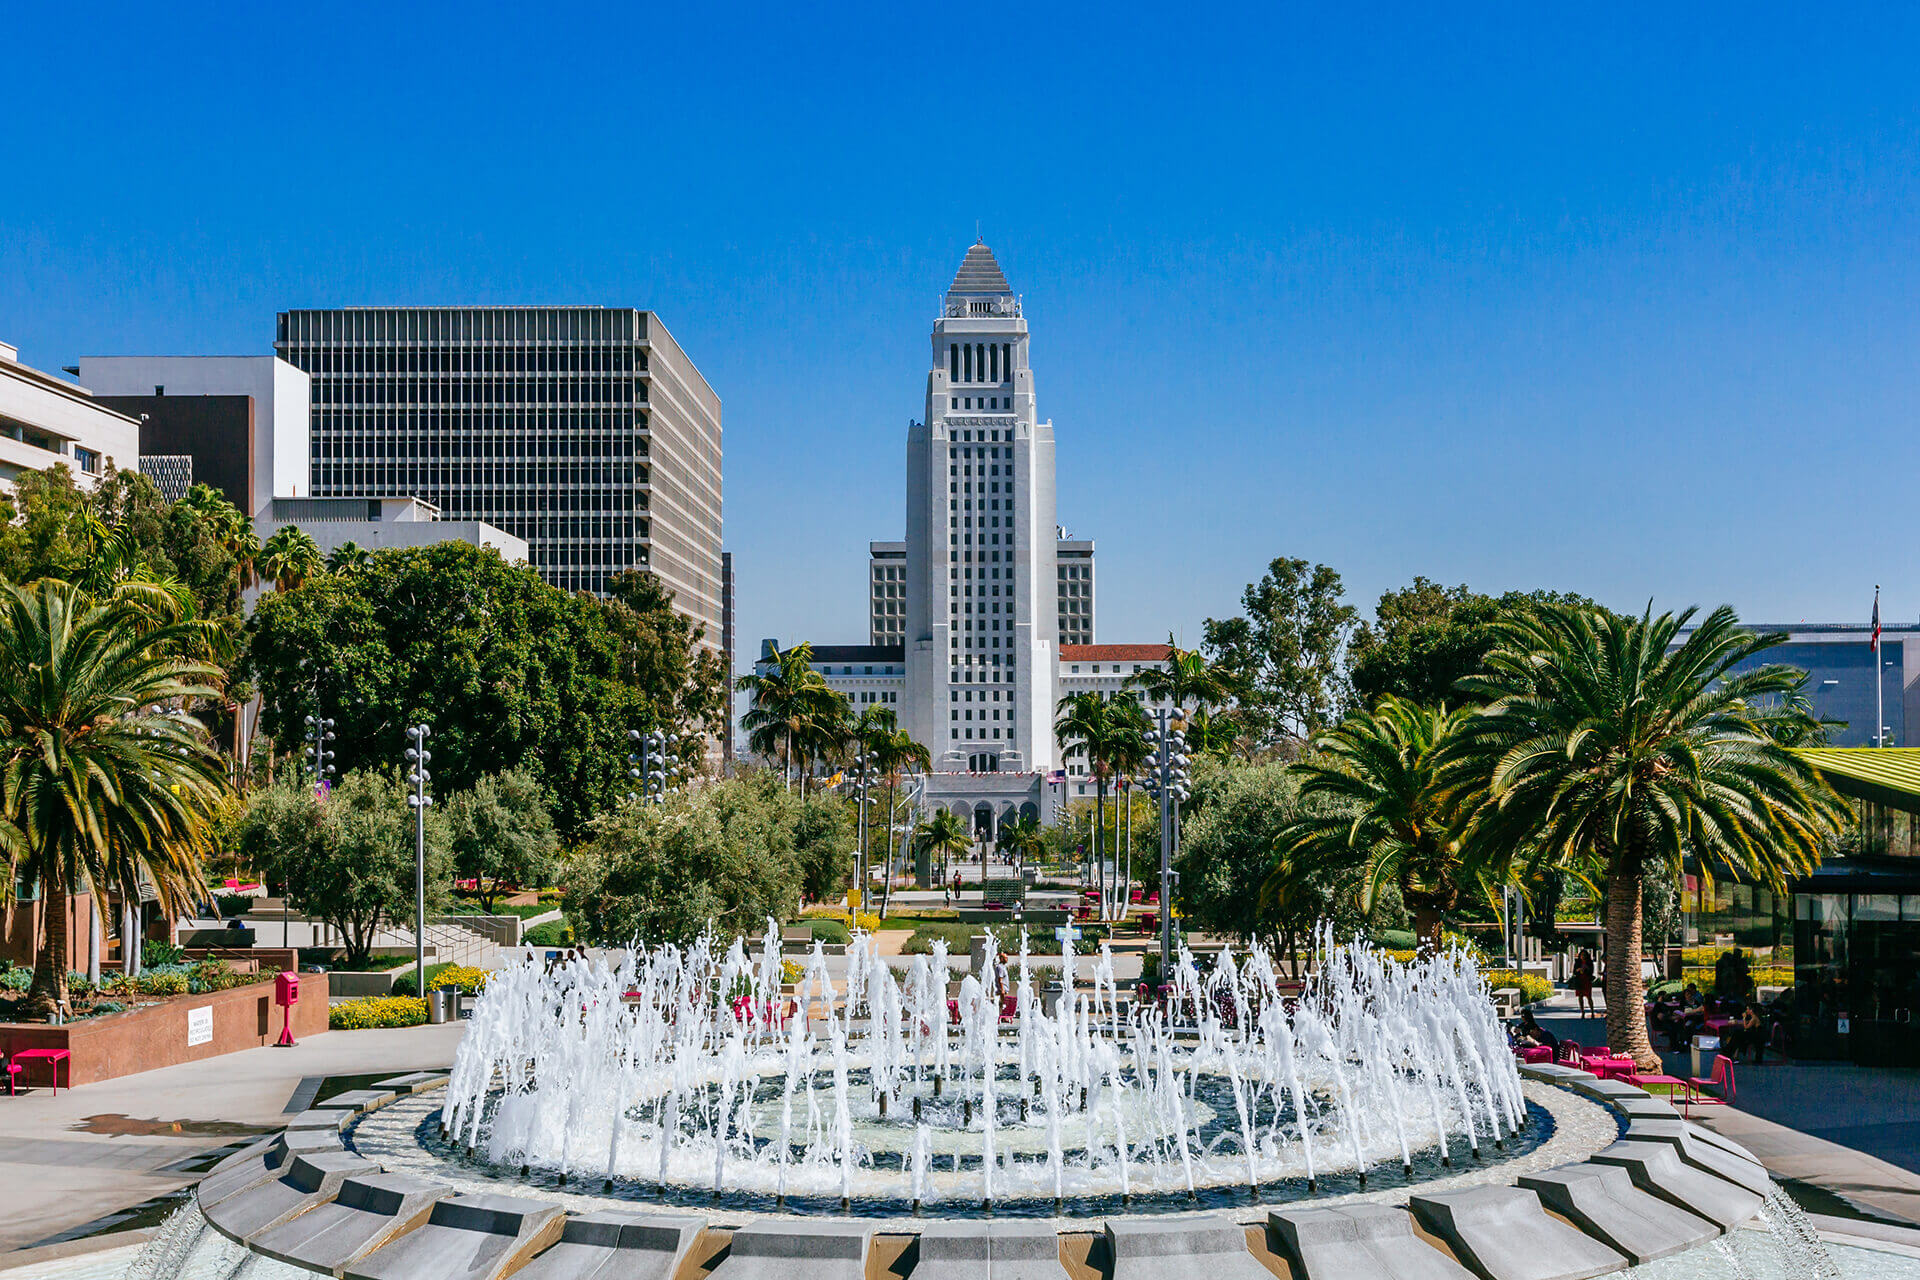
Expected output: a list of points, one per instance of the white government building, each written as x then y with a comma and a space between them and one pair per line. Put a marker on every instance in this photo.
984, 616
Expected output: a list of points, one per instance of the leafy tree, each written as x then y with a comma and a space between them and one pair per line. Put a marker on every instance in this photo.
104, 784
664, 655
348, 557
732, 854
1020, 840
290, 557
1393, 811
1425, 639
893, 752
348, 858
1227, 858
502, 835
1615, 740
1282, 655
1188, 680
511, 672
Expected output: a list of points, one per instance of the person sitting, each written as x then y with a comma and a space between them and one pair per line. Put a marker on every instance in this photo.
1534, 1036
1748, 1033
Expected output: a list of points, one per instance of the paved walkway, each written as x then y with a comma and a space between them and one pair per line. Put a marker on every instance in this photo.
1852, 1132
71, 1159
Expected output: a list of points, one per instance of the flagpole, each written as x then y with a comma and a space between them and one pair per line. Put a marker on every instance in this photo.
1879, 682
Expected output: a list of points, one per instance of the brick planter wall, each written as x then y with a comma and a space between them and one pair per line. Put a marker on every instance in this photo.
120, 1044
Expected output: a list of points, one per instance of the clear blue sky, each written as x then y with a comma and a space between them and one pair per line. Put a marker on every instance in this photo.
1622, 304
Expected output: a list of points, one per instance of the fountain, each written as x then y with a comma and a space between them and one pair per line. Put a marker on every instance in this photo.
675, 1111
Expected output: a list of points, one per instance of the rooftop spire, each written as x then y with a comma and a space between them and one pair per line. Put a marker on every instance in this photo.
979, 273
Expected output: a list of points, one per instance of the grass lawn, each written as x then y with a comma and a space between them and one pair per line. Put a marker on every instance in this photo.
551, 934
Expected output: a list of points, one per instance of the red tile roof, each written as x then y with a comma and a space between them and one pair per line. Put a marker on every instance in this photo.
1113, 652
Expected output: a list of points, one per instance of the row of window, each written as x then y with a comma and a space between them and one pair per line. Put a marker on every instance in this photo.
1075, 572
488, 391
340, 360
987, 404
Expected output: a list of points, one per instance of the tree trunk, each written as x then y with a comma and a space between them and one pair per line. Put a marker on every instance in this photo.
886, 889
1098, 841
49, 989
1625, 996
1428, 925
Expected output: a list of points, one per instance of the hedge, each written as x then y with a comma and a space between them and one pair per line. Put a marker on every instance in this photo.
1533, 987
377, 1011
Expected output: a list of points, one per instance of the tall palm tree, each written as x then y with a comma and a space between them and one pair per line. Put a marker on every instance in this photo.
1187, 680
349, 557
289, 557
103, 784
893, 753
1396, 811
792, 713
1624, 741
1021, 838
1108, 732
945, 833
228, 525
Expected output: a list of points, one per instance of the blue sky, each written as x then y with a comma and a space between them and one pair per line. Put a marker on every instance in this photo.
1620, 302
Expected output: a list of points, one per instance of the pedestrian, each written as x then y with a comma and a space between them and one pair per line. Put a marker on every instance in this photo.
1583, 982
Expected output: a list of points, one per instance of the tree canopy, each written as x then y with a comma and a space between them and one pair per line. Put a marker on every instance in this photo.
511, 672
1282, 655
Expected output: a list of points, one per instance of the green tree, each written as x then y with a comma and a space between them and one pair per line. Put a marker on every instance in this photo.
1626, 742
502, 834
1020, 839
1282, 656
1227, 858
348, 557
1394, 810
347, 859
104, 783
511, 672
1425, 639
1188, 680
792, 716
893, 752
732, 854
290, 557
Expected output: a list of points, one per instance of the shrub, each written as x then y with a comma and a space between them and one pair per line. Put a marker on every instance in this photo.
377, 1011
216, 975
792, 971
104, 1006
459, 977
234, 904
1394, 940
17, 978
169, 983
554, 933
832, 932
158, 951
1533, 987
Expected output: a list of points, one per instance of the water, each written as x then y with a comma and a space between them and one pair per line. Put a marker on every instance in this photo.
688, 1071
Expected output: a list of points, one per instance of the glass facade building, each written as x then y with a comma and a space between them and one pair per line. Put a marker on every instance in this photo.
584, 430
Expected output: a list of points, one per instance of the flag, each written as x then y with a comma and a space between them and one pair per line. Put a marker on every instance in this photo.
1058, 775
1874, 644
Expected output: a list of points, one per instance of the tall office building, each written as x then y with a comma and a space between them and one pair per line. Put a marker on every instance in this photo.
983, 619
887, 591
1073, 564
584, 430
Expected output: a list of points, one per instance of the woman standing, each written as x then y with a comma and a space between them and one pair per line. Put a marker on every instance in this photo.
1583, 982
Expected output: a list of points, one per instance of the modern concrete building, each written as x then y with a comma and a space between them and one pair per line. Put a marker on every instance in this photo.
243, 420
585, 431
47, 421
1073, 559
374, 523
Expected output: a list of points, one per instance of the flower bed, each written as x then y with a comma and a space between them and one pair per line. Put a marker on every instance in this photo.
377, 1011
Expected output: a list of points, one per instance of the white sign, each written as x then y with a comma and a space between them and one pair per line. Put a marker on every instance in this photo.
200, 1026
1066, 933
1844, 1025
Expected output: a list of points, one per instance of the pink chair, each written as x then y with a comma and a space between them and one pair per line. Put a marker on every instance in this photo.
1535, 1053
13, 1070
1721, 1079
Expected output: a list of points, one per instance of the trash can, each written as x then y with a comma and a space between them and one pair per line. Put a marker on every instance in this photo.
437, 1004
1705, 1048
1050, 995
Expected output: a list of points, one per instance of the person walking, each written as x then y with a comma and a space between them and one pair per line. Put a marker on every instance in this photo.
1583, 982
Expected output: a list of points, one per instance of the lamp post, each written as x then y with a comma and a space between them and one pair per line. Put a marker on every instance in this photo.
1167, 771
417, 757
864, 776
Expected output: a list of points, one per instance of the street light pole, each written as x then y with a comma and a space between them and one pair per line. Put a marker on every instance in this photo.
1169, 767
418, 756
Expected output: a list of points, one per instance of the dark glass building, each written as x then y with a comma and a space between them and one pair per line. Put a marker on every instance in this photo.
584, 430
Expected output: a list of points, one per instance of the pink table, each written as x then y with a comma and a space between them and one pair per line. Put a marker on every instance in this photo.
1610, 1068
53, 1058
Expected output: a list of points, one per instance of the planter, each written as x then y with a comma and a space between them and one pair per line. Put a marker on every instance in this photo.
346, 984
182, 1029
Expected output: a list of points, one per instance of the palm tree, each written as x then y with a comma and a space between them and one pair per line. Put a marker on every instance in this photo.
1022, 839
349, 557
289, 557
229, 527
103, 785
793, 713
892, 752
1623, 741
1186, 681
1110, 733
944, 833
1395, 810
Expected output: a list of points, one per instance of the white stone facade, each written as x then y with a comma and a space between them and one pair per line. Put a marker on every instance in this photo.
46, 421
